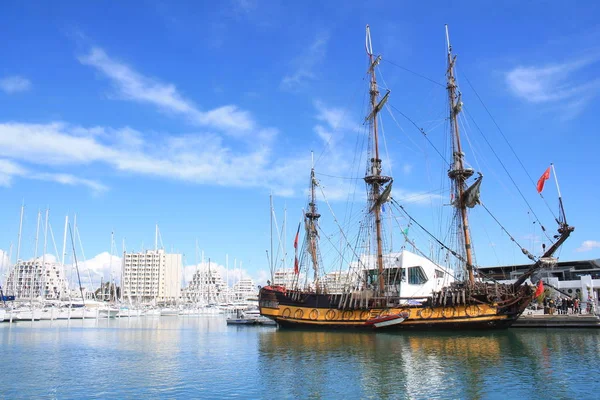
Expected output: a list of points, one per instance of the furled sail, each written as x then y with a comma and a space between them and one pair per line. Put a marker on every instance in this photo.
471, 195
384, 197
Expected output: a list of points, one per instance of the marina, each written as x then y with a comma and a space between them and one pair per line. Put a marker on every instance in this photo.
205, 357
257, 199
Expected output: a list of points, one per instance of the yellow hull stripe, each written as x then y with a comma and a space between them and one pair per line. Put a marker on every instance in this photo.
417, 315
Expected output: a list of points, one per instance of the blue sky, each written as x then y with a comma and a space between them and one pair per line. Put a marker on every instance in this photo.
188, 114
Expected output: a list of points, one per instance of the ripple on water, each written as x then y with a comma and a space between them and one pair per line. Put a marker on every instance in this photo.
202, 357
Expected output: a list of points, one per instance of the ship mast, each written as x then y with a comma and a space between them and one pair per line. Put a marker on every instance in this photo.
458, 173
374, 178
312, 219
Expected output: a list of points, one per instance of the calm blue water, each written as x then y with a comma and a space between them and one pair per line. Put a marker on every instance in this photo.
201, 357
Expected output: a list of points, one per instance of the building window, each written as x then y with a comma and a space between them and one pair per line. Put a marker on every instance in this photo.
416, 276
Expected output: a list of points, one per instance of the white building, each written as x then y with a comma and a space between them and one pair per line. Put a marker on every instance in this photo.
337, 282
206, 287
577, 279
285, 277
33, 279
405, 274
153, 276
243, 290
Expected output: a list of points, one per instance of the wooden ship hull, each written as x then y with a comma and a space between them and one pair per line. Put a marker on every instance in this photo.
297, 309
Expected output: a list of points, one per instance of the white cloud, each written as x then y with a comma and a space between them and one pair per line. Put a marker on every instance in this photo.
588, 245
245, 6
4, 262
131, 85
67, 179
554, 83
405, 196
335, 123
14, 84
198, 158
97, 269
10, 169
305, 64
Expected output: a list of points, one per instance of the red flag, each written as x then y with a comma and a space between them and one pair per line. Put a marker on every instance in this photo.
296, 268
539, 290
296, 239
545, 176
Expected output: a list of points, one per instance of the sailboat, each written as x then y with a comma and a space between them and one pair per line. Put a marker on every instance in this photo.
374, 300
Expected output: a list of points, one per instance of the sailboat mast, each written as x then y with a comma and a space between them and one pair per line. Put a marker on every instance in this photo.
313, 218
35, 262
20, 233
458, 173
43, 280
374, 177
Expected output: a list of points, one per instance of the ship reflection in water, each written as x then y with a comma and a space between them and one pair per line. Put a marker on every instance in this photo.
523, 364
203, 357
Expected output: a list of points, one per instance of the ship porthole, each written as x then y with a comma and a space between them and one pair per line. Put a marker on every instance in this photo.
298, 314
314, 314
286, 313
347, 315
473, 310
425, 313
364, 315
330, 315
448, 312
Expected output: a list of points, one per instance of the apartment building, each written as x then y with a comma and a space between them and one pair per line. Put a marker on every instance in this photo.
33, 279
152, 276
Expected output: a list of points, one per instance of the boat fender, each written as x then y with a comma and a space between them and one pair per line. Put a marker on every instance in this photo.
425, 313
347, 315
286, 313
364, 315
298, 314
314, 314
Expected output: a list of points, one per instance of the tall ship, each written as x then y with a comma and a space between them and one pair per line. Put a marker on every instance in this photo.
383, 290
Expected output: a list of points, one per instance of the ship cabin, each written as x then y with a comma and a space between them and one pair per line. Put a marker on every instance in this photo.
406, 275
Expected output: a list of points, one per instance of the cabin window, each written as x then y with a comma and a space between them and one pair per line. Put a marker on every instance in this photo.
439, 274
416, 276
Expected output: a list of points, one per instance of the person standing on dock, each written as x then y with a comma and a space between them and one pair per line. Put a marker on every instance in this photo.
570, 309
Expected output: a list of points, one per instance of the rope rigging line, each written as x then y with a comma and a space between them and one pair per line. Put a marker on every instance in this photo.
453, 252
397, 124
508, 173
338, 225
420, 130
336, 129
411, 242
338, 177
523, 249
458, 256
506, 140
413, 72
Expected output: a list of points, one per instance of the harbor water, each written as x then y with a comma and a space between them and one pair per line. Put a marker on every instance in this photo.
202, 357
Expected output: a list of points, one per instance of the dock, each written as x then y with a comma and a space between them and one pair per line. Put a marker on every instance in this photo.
557, 321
